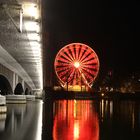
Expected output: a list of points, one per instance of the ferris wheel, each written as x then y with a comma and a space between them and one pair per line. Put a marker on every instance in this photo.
76, 64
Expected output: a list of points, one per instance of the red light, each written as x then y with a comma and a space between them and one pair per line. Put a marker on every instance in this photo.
75, 120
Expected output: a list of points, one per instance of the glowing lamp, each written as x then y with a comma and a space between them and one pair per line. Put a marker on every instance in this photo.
76, 64
30, 9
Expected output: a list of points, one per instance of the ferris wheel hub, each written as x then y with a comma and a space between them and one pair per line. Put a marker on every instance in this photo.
76, 64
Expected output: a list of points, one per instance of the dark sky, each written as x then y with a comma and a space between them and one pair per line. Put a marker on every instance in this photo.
111, 28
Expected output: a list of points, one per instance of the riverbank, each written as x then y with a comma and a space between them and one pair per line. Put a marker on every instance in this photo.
89, 95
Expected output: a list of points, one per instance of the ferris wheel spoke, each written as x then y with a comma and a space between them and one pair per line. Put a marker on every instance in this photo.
84, 50
69, 54
85, 79
62, 60
70, 50
87, 59
76, 78
61, 69
73, 52
88, 78
87, 55
77, 47
67, 57
88, 66
92, 72
70, 77
62, 75
89, 72
81, 53
62, 64
90, 62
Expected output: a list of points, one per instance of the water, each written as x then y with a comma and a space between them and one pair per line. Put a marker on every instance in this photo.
72, 120
91, 120
21, 122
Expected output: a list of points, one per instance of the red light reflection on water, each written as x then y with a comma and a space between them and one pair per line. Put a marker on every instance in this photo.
75, 120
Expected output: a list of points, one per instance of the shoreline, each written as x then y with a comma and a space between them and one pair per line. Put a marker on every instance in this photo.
51, 94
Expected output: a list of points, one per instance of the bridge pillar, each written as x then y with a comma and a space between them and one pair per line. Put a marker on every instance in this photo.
23, 84
15, 81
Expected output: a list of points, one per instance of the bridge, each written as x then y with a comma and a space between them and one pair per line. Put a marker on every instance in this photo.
20, 46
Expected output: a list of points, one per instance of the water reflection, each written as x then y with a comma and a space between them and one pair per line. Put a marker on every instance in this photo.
22, 121
91, 120
119, 119
75, 120
106, 109
2, 121
72, 120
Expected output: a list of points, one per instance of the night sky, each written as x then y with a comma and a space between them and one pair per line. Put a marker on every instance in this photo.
111, 28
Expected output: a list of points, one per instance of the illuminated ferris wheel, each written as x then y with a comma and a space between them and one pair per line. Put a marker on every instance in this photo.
76, 64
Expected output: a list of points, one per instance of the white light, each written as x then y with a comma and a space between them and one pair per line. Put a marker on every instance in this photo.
36, 48
32, 26
102, 94
35, 45
33, 36
39, 125
76, 130
76, 64
31, 10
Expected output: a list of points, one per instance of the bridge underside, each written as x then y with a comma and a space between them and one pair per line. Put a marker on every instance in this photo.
20, 40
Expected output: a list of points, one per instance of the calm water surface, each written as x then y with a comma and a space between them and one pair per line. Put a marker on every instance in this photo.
71, 120
91, 120
22, 122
